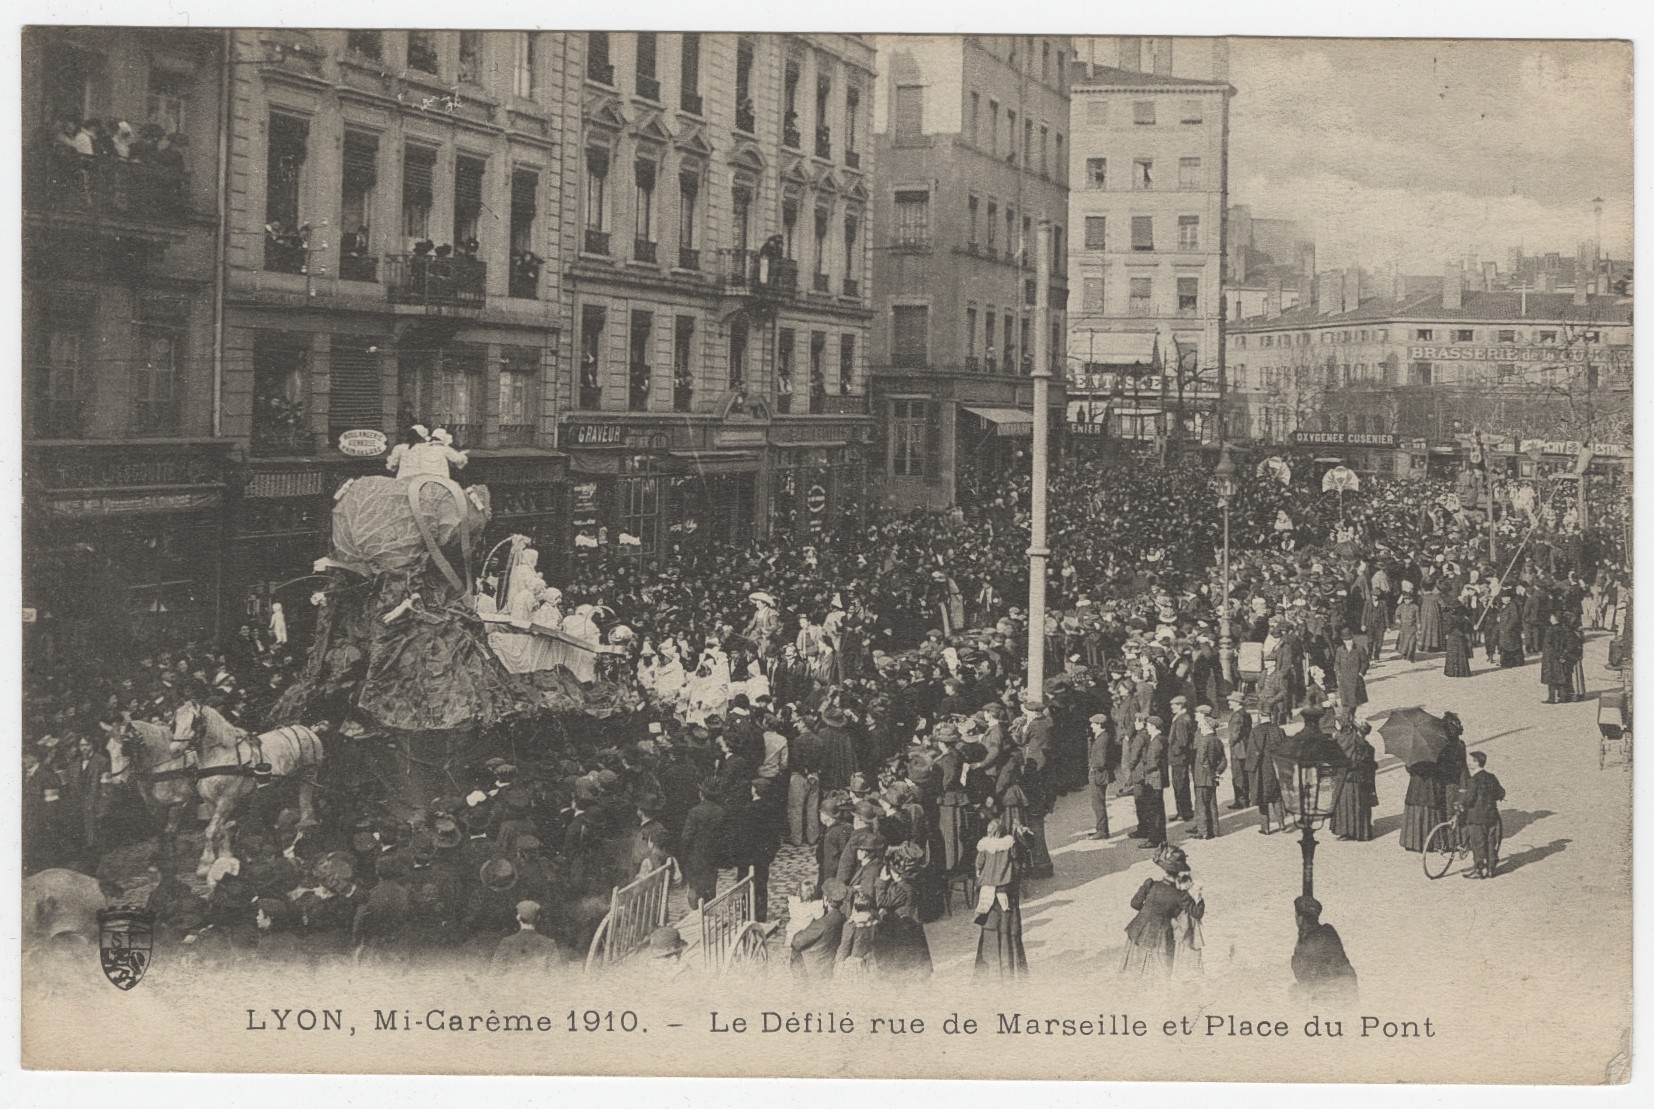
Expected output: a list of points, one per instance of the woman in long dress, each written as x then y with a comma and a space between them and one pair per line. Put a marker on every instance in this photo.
1456, 638
999, 864
1151, 936
1424, 807
1353, 817
1430, 621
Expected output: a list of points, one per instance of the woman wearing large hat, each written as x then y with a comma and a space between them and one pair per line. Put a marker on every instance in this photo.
1160, 903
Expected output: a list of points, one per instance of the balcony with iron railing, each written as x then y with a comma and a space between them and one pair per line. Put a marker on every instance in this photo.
603, 73
359, 267
820, 282
691, 102
844, 404
824, 141
595, 241
108, 187
746, 118
286, 253
748, 272
591, 397
644, 250
852, 288
436, 284
277, 434
791, 137
648, 87
689, 258
524, 280
852, 158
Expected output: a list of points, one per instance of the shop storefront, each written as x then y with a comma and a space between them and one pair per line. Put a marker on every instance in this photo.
123, 546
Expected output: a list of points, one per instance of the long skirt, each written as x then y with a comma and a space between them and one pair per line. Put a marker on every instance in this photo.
1039, 860
999, 950
1353, 818
1509, 660
1146, 962
1430, 625
1457, 664
1416, 822
959, 835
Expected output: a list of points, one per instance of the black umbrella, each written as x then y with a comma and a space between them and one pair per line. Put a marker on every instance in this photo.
1413, 736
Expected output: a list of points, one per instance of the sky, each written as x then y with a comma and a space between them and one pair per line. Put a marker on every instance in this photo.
1418, 151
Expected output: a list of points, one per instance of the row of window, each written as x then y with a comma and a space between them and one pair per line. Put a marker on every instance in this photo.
289, 248
792, 393
1144, 112
646, 219
1038, 147
70, 372
1275, 379
980, 222
1005, 341
1028, 53
1142, 233
460, 56
1140, 300
830, 107
1144, 177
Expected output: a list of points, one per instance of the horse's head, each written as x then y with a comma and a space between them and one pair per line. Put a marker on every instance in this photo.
189, 724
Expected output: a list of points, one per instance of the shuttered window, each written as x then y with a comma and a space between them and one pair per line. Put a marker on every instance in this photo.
910, 111
355, 396
418, 172
910, 329
467, 197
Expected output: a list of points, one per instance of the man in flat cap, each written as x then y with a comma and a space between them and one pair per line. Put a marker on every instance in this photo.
1238, 730
527, 948
1103, 758
1180, 756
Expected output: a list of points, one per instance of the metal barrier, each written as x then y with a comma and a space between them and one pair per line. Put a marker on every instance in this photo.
724, 919
634, 912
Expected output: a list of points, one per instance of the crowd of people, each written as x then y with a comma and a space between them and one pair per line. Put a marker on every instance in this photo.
865, 696
109, 163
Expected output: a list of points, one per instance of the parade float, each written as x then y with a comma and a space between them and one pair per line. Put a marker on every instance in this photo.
432, 653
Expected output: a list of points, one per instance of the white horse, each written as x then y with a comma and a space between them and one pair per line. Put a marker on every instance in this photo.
225, 758
141, 754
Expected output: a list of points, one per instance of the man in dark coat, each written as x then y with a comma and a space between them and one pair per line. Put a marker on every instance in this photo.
1103, 758
751, 841
1149, 780
1209, 764
1535, 615
1180, 755
815, 946
1558, 661
1239, 733
700, 844
838, 753
1349, 665
1480, 807
528, 948
1319, 964
1266, 788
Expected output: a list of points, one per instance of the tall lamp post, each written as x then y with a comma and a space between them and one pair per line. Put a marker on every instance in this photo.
1226, 637
1038, 552
1312, 769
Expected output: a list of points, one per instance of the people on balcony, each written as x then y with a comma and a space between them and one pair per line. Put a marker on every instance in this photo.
85, 163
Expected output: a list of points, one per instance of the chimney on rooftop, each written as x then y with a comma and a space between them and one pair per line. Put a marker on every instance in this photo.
1453, 287
1273, 299
1352, 289
1490, 275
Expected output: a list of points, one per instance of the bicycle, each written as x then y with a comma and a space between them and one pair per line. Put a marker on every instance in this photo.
1446, 844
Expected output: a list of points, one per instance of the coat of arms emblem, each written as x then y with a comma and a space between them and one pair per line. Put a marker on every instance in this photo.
125, 942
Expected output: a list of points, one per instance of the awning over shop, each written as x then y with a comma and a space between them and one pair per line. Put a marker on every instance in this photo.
1006, 421
605, 463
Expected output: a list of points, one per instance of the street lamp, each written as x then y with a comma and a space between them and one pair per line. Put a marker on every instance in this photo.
1312, 769
1226, 638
